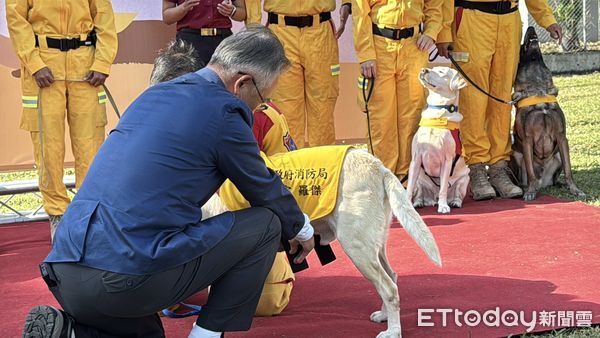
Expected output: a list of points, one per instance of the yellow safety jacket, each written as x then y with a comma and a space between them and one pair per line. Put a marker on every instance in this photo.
311, 174
395, 14
540, 10
288, 7
70, 19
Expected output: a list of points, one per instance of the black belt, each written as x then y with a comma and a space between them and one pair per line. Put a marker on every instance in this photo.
496, 7
68, 44
298, 21
394, 34
207, 31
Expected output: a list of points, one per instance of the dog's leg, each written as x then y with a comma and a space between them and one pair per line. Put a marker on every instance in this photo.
383, 259
443, 207
413, 175
563, 148
519, 170
532, 180
367, 259
458, 191
381, 316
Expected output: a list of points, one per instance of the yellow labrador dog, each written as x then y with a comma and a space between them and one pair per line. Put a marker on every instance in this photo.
368, 195
438, 173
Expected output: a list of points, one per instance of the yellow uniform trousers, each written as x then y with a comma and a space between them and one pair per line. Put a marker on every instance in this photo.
308, 90
44, 113
492, 43
278, 287
397, 101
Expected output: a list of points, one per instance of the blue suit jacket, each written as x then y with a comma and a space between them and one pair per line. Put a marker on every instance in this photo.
138, 209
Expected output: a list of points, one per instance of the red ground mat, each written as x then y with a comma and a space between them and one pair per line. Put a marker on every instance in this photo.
504, 254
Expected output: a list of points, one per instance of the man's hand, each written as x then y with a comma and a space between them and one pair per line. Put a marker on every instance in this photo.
368, 69
424, 42
307, 247
188, 5
344, 14
95, 78
555, 32
225, 8
44, 77
444, 49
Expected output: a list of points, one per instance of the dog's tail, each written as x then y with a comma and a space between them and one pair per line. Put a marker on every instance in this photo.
409, 217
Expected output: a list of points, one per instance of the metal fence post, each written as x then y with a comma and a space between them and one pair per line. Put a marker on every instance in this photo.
584, 16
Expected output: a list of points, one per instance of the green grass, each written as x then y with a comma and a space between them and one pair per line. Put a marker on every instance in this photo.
23, 202
579, 98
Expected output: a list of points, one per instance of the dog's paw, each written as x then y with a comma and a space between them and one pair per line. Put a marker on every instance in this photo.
390, 333
418, 204
529, 195
455, 203
379, 316
429, 202
575, 191
443, 209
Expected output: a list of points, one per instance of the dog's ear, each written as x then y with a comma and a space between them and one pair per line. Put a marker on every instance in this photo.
457, 82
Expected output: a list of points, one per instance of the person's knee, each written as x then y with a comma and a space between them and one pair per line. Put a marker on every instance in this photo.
273, 225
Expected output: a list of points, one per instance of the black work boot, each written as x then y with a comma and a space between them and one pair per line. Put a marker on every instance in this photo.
500, 175
47, 322
480, 186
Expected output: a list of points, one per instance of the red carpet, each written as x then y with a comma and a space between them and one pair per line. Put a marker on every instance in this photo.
507, 254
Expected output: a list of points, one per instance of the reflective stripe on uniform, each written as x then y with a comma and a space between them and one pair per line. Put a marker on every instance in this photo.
335, 69
362, 83
30, 101
102, 98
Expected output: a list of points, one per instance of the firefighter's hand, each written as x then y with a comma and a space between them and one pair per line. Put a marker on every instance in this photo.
555, 32
188, 5
344, 14
444, 49
225, 8
307, 247
44, 77
368, 69
95, 78
424, 42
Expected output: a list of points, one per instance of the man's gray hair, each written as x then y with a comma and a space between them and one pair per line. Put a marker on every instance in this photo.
177, 59
255, 51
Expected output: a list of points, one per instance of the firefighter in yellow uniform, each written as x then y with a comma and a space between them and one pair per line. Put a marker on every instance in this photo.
392, 39
273, 136
66, 49
308, 91
486, 36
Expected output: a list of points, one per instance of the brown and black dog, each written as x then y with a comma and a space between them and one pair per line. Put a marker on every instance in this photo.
540, 148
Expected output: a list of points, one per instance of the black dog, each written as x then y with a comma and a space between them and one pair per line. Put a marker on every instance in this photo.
540, 148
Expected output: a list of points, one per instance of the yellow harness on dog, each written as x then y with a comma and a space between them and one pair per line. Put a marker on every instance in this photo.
438, 122
312, 175
533, 100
